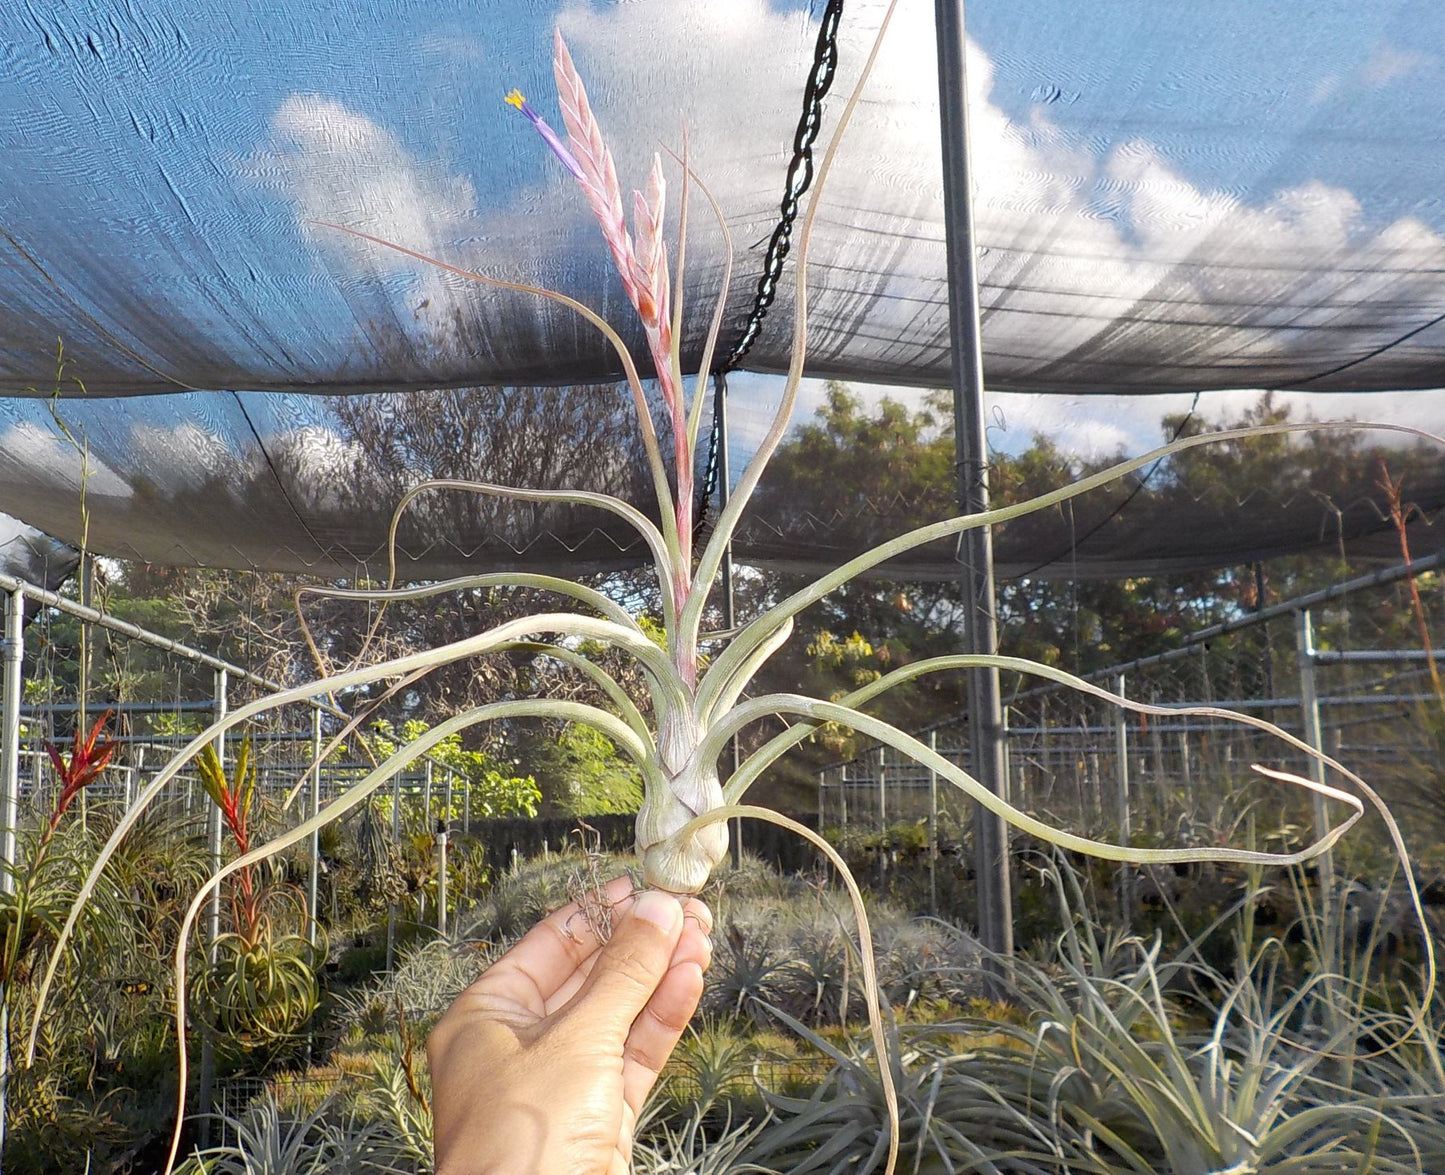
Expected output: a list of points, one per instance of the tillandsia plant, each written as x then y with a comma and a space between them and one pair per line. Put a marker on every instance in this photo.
88, 758
695, 705
259, 986
32, 904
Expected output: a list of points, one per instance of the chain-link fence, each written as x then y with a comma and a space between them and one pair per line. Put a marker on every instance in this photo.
1350, 671
69, 667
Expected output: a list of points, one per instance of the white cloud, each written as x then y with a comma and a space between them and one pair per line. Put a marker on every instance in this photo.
1100, 426
191, 457
1389, 62
42, 456
342, 167
1120, 238
317, 464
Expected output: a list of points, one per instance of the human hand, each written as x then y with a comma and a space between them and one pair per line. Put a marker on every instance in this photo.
542, 1065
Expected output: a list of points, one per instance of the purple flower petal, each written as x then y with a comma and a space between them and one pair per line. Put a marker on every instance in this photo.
559, 148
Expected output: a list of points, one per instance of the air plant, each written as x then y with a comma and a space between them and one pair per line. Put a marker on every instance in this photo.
31, 904
88, 758
695, 705
259, 987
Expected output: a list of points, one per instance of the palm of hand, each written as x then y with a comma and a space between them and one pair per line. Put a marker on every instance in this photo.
542, 1066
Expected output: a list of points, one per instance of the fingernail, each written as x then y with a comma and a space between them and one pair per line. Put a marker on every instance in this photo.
661, 909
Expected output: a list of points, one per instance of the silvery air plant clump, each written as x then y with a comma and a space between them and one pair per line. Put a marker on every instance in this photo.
694, 706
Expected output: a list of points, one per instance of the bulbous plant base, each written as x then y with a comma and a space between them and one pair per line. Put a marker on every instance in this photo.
677, 861
682, 864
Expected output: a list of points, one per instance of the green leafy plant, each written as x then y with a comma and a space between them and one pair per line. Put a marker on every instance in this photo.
268, 1141
493, 790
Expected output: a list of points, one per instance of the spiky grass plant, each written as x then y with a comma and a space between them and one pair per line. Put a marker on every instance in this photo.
695, 706
267, 1140
1116, 1060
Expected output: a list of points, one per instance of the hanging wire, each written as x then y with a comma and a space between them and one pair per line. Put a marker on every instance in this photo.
1139, 486
799, 180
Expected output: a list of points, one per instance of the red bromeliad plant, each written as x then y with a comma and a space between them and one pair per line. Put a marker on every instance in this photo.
260, 986
233, 798
32, 905
87, 760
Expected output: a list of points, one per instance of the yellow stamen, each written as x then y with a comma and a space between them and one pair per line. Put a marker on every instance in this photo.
515, 99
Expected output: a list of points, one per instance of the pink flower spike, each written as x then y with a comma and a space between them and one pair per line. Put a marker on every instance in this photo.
559, 148
650, 256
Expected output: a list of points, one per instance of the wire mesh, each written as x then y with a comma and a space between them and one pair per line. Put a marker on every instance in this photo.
1090, 765
151, 700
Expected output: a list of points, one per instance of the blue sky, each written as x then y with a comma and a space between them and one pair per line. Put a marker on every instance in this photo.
162, 162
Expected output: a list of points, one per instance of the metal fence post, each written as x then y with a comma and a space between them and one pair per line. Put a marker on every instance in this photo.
1121, 801
10, 734
213, 916
882, 789
882, 814
442, 878
313, 881
933, 829
9, 796
213, 817
1161, 786
395, 837
1310, 711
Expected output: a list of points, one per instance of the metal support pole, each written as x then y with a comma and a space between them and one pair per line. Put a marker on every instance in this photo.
1121, 802
933, 829
985, 716
442, 878
1310, 712
313, 882
724, 490
10, 734
10, 695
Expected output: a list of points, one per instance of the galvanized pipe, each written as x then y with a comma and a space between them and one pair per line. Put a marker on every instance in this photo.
985, 710
10, 694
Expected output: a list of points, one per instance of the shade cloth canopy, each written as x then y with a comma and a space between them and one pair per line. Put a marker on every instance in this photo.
1169, 199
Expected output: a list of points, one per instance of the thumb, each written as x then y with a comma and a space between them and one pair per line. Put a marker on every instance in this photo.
633, 963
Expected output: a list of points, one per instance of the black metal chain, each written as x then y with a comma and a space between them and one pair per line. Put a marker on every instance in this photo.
799, 180
800, 177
